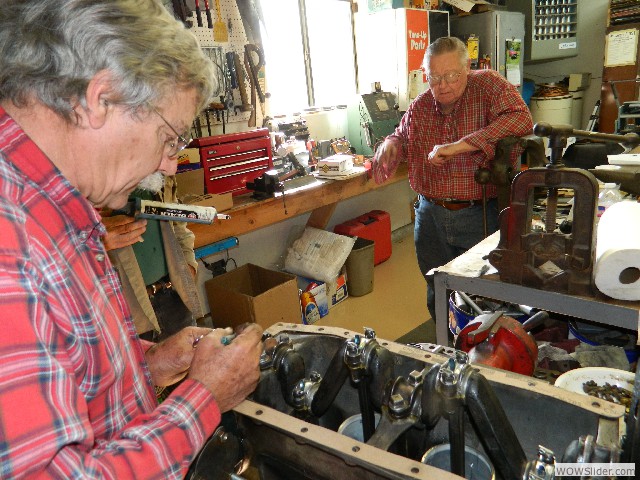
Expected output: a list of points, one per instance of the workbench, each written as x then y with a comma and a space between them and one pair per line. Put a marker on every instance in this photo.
320, 199
472, 274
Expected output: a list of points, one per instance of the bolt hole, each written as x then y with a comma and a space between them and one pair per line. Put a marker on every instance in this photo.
321, 329
629, 275
596, 404
304, 429
259, 412
531, 384
384, 344
355, 449
415, 470
346, 333
427, 355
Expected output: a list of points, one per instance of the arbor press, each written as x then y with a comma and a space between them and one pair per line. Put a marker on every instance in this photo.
551, 260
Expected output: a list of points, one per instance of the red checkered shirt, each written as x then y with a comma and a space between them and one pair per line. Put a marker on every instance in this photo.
490, 109
76, 399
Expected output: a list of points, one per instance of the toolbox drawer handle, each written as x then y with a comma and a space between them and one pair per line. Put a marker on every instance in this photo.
235, 174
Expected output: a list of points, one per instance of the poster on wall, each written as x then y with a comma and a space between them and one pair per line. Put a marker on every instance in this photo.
417, 42
513, 50
621, 48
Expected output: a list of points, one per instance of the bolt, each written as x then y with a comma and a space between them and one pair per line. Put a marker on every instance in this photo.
315, 377
461, 357
283, 338
415, 377
397, 403
369, 333
265, 360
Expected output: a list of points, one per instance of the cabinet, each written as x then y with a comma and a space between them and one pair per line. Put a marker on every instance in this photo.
551, 28
463, 273
231, 160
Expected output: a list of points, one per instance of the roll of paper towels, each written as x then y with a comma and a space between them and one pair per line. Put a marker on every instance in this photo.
617, 267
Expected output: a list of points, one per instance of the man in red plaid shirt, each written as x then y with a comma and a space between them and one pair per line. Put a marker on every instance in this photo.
94, 96
447, 133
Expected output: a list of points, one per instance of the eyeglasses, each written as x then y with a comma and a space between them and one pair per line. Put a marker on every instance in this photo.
176, 145
450, 78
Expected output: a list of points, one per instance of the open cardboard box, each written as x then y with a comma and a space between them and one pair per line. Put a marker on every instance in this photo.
253, 294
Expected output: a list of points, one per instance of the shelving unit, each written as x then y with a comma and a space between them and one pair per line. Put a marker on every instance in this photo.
616, 313
551, 28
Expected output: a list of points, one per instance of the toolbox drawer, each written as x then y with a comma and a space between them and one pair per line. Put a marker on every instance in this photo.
231, 160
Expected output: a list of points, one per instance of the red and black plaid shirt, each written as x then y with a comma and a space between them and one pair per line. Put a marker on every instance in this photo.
490, 109
76, 399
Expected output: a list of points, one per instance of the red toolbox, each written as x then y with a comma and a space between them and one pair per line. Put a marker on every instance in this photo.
233, 159
376, 226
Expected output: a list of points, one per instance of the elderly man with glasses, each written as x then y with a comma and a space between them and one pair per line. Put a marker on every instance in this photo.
447, 133
155, 259
92, 95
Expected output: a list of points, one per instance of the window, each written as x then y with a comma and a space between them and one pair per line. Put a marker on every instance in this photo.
309, 53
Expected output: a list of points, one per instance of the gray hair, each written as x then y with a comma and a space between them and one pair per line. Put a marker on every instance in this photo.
51, 49
446, 45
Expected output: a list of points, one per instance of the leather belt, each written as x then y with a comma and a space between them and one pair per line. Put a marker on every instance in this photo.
159, 286
452, 203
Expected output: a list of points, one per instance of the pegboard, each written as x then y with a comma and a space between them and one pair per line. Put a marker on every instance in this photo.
216, 51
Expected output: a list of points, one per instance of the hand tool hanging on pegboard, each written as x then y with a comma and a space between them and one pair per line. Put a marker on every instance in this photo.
242, 86
253, 66
198, 13
207, 10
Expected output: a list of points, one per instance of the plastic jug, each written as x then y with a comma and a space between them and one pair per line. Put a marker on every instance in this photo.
609, 195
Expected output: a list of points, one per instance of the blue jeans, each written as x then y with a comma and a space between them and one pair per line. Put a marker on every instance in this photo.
440, 235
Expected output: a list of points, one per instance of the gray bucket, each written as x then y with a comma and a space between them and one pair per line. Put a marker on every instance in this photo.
476, 465
359, 266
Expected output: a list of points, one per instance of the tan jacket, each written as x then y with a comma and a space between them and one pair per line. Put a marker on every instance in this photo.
178, 249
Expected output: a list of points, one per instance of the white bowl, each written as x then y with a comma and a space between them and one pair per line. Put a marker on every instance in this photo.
574, 379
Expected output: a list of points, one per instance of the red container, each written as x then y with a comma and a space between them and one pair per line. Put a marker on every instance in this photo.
233, 159
376, 226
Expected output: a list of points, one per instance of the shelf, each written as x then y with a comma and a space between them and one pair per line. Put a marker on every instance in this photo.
600, 309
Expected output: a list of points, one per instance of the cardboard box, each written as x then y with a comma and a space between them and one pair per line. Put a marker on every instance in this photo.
467, 5
377, 5
253, 294
319, 292
327, 294
189, 155
190, 186
335, 164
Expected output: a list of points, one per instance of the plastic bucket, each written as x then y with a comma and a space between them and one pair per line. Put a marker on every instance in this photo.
476, 465
359, 264
352, 426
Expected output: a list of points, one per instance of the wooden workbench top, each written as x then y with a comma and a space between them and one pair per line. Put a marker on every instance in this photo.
248, 214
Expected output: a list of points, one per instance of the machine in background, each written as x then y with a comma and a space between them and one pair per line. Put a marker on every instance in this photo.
374, 117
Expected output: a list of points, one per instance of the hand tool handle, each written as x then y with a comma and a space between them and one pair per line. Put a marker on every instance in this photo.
198, 13
208, 12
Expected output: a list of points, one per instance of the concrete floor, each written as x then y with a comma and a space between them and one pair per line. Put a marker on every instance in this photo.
398, 302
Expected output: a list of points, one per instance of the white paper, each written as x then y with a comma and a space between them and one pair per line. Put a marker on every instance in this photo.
621, 48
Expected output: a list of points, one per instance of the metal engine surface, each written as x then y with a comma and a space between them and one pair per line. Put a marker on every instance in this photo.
280, 444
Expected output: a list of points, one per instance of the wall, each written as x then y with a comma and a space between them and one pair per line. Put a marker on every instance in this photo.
267, 247
592, 23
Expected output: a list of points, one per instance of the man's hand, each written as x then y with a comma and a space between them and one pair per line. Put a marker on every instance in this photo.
122, 231
170, 359
386, 155
441, 153
231, 372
